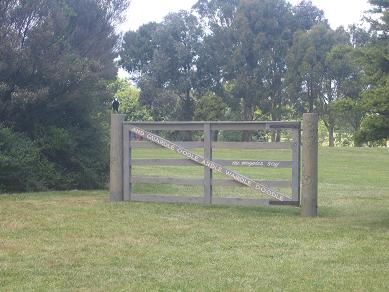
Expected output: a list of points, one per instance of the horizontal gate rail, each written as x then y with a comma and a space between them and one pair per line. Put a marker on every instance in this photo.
215, 125
147, 144
251, 145
237, 163
215, 200
269, 183
218, 145
132, 133
200, 181
167, 180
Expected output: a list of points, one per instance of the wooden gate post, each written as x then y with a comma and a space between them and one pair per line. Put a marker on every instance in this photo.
207, 170
116, 158
310, 165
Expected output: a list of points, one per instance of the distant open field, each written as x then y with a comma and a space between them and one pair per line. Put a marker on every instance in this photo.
79, 240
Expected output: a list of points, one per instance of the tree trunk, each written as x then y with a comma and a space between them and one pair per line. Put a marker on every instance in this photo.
310, 99
215, 134
331, 141
357, 143
330, 125
278, 136
187, 114
247, 115
275, 134
247, 136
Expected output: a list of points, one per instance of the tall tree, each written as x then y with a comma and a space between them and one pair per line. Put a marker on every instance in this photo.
314, 74
216, 17
345, 85
138, 49
245, 50
375, 126
307, 15
168, 65
55, 57
213, 70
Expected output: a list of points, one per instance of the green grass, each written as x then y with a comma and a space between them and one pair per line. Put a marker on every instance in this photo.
80, 240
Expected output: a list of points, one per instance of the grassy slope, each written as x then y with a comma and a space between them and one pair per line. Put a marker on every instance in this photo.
79, 240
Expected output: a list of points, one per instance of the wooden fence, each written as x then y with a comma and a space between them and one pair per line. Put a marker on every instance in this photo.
122, 161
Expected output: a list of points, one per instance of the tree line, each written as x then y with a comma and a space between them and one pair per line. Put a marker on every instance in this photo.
223, 60
262, 60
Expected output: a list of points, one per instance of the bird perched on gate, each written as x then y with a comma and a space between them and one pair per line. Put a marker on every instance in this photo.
115, 105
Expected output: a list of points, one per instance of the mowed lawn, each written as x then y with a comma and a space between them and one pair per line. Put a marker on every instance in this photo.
79, 240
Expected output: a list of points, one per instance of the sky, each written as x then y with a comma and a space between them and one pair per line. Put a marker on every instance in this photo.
338, 12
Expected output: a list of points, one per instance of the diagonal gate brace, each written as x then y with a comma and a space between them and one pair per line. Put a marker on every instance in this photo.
261, 188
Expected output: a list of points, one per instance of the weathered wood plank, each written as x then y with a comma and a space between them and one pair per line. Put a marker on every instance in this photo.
238, 163
167, 199
215, 125
285, 203
310, 165
165, 162
251, 145
208, 163
170, 126
296, 134
215, 182
207, 170
116, 158
147, 144
238, 127
256, 163
218, 145
166, 180
126, 163
269, 183
241, 201
283, 125
200, 200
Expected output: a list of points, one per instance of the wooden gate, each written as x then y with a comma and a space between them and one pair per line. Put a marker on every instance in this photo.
132, 132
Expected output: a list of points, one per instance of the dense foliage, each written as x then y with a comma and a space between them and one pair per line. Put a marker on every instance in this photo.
256, 56
375, 126
55, 58
262, 56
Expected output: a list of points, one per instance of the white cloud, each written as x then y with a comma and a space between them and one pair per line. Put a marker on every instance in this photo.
144, 11
341, 12
338, 12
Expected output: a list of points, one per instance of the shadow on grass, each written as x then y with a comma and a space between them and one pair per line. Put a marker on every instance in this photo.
330, 212
247, 211
380, 221
53, 194
255, 211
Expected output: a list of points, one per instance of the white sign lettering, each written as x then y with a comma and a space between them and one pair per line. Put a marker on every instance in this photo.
256, 163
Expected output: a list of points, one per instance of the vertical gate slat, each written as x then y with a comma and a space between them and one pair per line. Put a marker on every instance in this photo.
126, 163
296, 164
207, 170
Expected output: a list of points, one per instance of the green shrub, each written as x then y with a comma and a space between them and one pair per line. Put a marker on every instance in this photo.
59, 159
22, 167
79, 157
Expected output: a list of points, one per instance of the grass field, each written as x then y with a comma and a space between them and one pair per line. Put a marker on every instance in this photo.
79, 240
